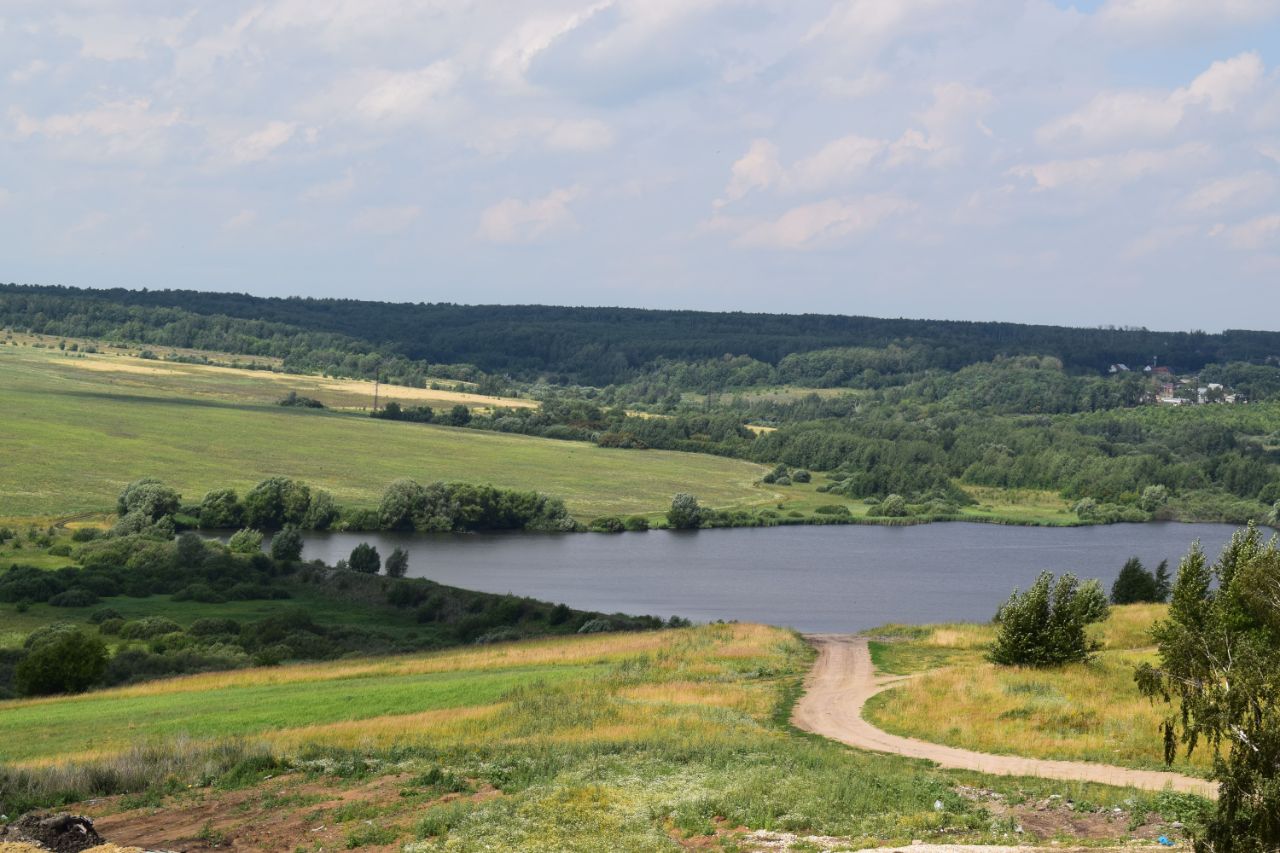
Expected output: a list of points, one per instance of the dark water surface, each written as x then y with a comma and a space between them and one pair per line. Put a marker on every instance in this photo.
845, 578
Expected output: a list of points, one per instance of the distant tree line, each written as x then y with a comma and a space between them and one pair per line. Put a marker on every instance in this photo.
596, 346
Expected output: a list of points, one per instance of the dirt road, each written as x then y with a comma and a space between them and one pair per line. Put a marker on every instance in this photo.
843, 679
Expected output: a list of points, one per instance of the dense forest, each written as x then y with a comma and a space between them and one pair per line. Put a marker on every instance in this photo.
592, 346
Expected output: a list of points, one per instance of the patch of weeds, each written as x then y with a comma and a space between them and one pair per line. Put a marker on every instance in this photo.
1031, 688
370, 835
356, 811
152, 797
250, 770
211, 836
436, 782
440, 819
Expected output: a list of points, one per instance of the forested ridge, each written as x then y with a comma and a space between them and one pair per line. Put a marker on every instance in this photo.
915, 415
596, 346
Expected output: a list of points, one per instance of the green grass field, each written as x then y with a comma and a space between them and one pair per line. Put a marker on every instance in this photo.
650, 741
70, 439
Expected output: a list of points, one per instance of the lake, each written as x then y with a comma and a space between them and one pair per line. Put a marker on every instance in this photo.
839, 578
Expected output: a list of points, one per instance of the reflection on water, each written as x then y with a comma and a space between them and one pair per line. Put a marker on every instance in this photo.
811, 578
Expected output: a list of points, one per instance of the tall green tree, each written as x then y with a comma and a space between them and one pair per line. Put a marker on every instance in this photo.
1220, 663
1045, 626
1134, 584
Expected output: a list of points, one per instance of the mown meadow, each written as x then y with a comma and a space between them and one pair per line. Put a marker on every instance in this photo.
647, 741
70, 439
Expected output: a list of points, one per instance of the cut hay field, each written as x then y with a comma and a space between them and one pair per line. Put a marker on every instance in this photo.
71, 438
647, 742
1089, 712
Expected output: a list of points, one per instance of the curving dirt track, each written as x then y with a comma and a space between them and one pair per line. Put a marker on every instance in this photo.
843, 679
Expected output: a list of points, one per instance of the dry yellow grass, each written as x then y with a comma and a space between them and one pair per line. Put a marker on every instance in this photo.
340, 392
1087, 711
604, 648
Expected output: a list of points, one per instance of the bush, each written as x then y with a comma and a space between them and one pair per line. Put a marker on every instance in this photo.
221, 510
800, 475
607, 524
286, 546
75, 597
893, 506
69, 663
1045, 626
85, 534
365, 559
110, 627
148, 499
397, 563
246, 542
832, 509
214, 628
97, 617
201, 592
685, 513
148, 628
636, 523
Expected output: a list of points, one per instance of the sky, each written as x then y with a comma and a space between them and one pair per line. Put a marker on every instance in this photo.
1103, 162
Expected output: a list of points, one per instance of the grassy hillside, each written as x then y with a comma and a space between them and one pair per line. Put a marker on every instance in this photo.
71, 438
639, 742
1090, 712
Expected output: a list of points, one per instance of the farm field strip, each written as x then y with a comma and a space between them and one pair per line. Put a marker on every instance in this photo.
69, 443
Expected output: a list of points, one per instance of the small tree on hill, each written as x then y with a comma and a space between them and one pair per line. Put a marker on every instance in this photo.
69, 662
365, 559
1163, 585
685, 513
397, 563
1045, 626
1134, 584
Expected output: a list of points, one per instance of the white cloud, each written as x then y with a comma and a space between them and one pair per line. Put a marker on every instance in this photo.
1148, 17
757, 169
1229, 193
1259, 233
580, 135
333, 190
836, 164
1112, 118
1158, 240
117, 128
510, 61
1111, 171
867, 83
391, 98
29, 72
243, 219
386, 220
515, 220
116, 37
820, 224
259, 144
